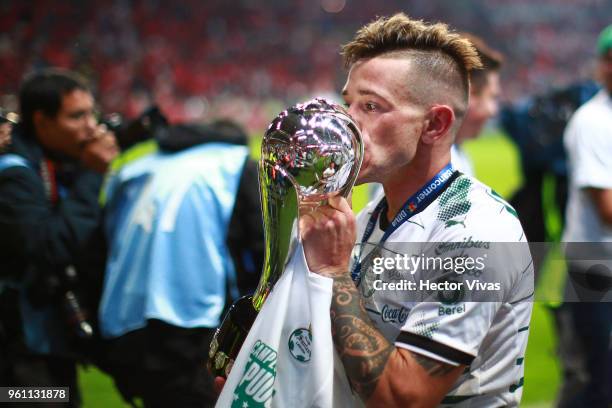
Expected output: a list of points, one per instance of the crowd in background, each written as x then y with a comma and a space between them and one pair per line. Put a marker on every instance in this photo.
246, 60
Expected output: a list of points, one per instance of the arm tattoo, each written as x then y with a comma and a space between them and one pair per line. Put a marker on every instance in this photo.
433, 367
363, 349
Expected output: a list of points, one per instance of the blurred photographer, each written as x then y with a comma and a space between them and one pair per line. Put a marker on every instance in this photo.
50, 179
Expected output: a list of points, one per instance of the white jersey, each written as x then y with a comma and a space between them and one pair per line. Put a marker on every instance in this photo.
588, 141
485, 326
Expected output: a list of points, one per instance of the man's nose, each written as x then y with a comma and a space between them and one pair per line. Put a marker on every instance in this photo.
352, 111
91, 122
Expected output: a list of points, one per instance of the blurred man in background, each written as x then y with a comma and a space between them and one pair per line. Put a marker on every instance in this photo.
185, 236
7, 119
485, 91
49, 185
588, 141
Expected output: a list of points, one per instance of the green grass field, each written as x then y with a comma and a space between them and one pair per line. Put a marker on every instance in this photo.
496, 164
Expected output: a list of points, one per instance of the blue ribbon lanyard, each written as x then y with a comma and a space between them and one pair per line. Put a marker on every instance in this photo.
415, 204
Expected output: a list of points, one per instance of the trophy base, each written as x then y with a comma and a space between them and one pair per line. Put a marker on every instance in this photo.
229, 337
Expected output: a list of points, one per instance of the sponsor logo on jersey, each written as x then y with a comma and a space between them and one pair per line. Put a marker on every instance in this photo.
467, 242
451, 310
394, 314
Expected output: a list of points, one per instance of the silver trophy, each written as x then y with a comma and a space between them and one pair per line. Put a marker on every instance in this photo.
310, 152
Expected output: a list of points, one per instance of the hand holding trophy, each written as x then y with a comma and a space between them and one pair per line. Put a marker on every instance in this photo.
310, 152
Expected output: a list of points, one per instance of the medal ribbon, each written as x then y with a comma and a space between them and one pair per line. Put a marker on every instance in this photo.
414, 205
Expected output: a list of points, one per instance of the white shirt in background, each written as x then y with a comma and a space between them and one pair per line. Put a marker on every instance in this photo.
588, 142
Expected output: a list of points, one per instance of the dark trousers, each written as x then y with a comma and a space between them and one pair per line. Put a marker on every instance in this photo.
586, 354
30, 370
164, 365
20, 367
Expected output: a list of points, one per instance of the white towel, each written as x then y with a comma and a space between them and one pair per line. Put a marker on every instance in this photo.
288, 359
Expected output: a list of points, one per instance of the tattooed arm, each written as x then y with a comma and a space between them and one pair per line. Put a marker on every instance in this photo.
380, 373
363, 349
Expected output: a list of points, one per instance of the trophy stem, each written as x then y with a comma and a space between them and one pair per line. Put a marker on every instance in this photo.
280, 213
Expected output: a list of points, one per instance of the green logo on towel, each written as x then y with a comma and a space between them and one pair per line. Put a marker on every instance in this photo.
256, 387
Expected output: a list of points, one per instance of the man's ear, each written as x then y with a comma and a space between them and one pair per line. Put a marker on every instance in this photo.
438, 121
40, 121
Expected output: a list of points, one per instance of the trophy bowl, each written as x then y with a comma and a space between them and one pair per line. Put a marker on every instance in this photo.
316, 145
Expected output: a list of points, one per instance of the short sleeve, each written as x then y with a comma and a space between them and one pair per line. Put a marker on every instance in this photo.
448, 333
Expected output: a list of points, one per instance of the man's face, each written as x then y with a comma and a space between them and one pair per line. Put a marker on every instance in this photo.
377, 95
605, 70
483, 105
72, 127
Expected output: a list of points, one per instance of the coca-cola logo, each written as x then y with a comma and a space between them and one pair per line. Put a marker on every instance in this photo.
394, 314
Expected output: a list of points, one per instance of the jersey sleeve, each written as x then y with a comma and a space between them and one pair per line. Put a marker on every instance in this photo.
450, 334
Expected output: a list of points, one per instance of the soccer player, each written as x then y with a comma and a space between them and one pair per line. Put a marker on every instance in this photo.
485, 90
407, 89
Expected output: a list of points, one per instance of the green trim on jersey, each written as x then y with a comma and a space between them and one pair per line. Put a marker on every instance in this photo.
515, 387
425, 329
497, 197
454, 202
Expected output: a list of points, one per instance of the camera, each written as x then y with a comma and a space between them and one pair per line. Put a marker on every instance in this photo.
150, 124
62, 289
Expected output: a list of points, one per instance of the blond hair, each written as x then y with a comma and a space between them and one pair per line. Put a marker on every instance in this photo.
442, 56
